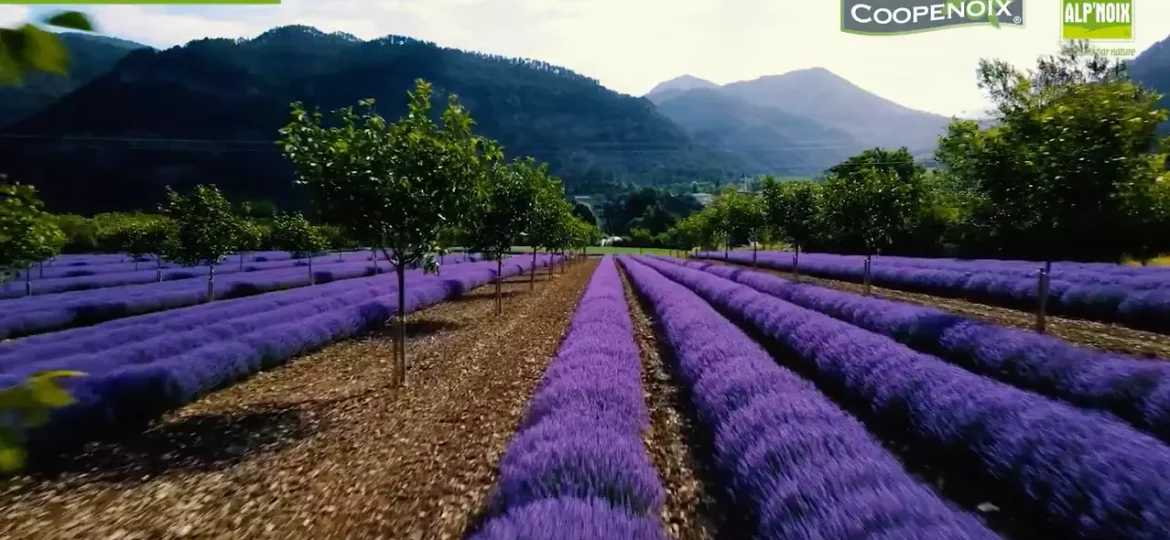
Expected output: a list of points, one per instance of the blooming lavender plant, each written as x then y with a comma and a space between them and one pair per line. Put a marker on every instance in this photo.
1136, 297
577, 467
115, 395
799, 465
1134, 389
1094, 476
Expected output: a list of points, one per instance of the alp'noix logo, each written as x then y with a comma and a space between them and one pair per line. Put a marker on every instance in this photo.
1108, 20
893, 17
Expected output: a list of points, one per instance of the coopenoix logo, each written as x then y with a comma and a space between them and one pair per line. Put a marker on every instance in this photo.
892, 17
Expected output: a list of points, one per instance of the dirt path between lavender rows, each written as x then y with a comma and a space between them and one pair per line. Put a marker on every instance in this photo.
323, 448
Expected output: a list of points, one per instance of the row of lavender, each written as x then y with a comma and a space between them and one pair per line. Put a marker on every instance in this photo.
38, 314
113, 275
1067, 472
1136, 390
1139, 302
186, 353
100, 260
795, 464
577, 468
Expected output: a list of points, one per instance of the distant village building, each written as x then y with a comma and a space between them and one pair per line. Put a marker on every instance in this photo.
704, 198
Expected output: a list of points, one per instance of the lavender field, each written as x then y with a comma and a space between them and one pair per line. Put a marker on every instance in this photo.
798, 411
135, 368
1137, 297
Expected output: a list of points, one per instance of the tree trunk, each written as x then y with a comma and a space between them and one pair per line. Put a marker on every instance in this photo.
1042, 298
241, 261
726, 250
211, 283
312, 278
866, 276
499, 283
532, 281
375, 254
796, 264
755, 250
42, 269
400, 350
28, 280
551, 265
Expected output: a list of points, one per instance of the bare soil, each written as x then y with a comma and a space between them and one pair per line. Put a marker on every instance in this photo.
324, 447
693, 510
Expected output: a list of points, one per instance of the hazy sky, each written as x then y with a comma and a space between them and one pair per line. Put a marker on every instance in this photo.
630, 45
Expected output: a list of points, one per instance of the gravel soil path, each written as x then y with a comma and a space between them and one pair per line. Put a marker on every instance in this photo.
323, 448
694, 509
1082, 332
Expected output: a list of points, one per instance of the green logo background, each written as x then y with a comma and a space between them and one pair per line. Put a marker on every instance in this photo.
1092, 29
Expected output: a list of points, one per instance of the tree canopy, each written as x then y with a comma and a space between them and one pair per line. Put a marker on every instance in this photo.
1073, 168
205, 227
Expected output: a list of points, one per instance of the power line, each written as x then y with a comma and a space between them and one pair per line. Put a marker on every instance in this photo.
270, 146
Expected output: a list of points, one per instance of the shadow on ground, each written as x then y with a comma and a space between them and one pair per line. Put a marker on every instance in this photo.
486, 296
192, 444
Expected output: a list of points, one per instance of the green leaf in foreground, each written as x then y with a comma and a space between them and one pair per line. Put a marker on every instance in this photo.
73, 20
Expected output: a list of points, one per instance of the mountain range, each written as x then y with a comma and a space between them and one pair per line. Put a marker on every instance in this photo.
810, 112
1152, 69
130, 119
90, 57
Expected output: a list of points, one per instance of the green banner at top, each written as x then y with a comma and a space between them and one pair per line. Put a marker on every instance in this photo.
150, 2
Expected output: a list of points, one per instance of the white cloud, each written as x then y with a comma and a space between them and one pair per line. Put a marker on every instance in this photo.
632, 44
11, 16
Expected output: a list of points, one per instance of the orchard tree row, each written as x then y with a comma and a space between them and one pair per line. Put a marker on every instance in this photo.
1071, 169
413, 187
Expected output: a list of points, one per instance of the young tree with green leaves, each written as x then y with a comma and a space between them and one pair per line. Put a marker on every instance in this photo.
792, 210
548, 213
27, 234
157, 236
747, 218
506, 198
1073, 167
864, 209
249, 236
129, 234
715, 224
205, 231
294, 234
391, 186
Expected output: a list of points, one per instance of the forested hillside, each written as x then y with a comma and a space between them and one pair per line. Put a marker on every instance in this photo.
90, 56
1152, 69
209, 111
768, 139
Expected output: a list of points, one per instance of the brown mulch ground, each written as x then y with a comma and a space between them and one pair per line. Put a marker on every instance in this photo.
692, 510
1103, 336
324, 447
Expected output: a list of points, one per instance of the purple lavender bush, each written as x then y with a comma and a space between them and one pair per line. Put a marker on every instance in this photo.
577, 467
1087, 474
570, 518
796, 463
1136, 390
38, 314
1135, 297
113, 397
